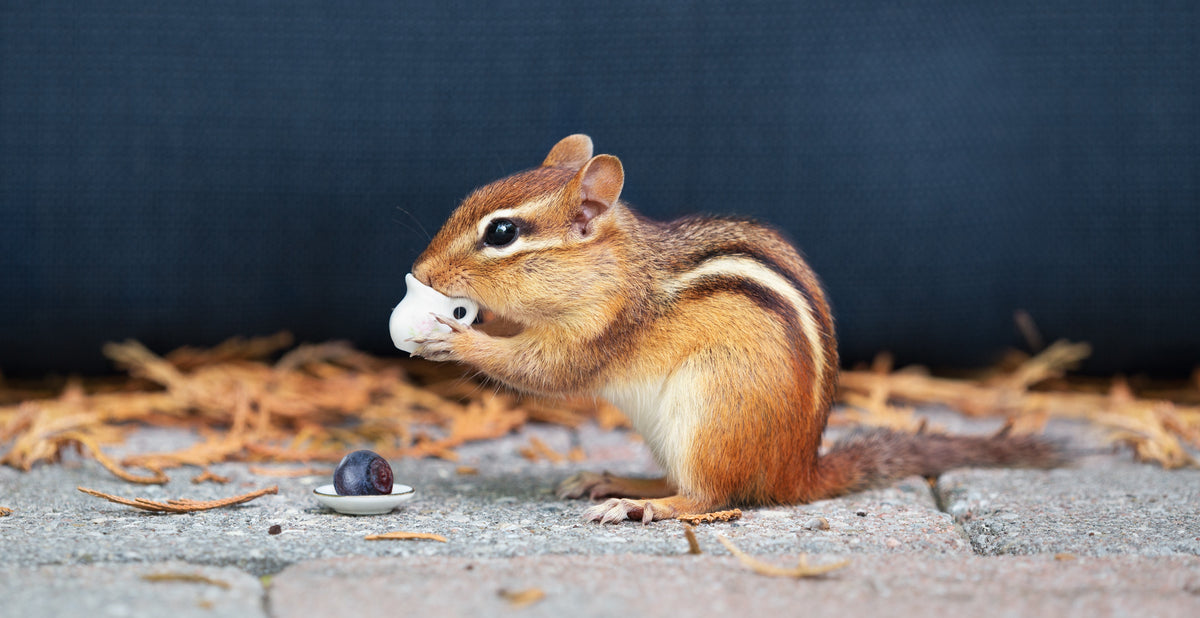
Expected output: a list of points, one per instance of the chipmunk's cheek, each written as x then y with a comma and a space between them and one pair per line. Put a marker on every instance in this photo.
494, 324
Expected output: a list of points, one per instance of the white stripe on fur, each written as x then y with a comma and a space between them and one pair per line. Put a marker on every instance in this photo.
748, 268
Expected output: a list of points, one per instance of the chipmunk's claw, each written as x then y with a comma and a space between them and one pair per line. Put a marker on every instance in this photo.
439, 345
433, 349
436, 347
454, 325
617, 510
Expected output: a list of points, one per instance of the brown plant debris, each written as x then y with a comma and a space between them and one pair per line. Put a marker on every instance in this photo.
538, 450
234, 349
157, 478
1159, 425
689, 533
312, 405
696, 519
316, 402
194, 578
802, 568
522, 598
207, 476
401, 535
180, 506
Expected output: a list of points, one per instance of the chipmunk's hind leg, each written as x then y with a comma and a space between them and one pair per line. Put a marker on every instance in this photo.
616, 510
607, 485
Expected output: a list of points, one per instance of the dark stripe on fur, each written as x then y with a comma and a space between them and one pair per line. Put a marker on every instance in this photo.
764, 297
748, 250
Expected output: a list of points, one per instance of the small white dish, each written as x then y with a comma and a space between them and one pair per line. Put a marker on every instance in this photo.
363, 505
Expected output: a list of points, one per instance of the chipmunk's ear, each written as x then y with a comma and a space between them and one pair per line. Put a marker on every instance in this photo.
600, 181
571, 152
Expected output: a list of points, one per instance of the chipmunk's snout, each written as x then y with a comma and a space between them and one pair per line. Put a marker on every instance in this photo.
445, 278
421, 272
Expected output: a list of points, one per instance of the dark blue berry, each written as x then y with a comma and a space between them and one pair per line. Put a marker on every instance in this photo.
362, 473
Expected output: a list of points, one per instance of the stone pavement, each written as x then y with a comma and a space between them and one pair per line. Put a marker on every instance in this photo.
1106, 537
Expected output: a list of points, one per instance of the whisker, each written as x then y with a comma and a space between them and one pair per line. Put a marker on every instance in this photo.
415, 220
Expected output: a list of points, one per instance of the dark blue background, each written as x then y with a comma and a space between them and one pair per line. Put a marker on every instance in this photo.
180, 171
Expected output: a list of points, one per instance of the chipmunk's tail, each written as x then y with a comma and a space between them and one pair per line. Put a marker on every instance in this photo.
879, 457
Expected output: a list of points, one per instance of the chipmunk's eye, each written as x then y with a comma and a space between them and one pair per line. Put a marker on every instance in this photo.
500, 232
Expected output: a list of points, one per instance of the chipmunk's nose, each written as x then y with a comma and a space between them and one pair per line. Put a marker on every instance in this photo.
435, 272
420, 272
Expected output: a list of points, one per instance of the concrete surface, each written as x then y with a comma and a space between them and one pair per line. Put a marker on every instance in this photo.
1100, 508
1105, 537
873, 585
176, 588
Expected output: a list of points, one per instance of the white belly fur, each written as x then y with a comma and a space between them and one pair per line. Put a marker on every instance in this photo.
666, 412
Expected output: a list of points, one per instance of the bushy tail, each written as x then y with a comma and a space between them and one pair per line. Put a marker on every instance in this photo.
879, 457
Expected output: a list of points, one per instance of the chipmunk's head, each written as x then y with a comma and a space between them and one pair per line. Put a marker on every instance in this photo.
536, 245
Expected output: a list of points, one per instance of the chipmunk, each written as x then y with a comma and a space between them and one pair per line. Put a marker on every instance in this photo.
711, 334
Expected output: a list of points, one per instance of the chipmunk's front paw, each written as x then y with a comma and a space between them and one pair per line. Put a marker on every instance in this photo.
582, 484
443, 346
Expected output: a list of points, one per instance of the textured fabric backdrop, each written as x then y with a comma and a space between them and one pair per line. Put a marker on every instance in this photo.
182, 171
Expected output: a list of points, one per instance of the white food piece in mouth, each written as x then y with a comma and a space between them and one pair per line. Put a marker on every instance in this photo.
414, 316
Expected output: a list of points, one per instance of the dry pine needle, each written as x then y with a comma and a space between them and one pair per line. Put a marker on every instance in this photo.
802, 568
194, 578
181, 506
689, 532
401, 535
522, 598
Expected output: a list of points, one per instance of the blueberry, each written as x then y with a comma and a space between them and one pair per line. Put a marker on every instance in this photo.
363, 473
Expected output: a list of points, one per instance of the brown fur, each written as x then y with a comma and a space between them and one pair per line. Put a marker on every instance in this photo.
596, 294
